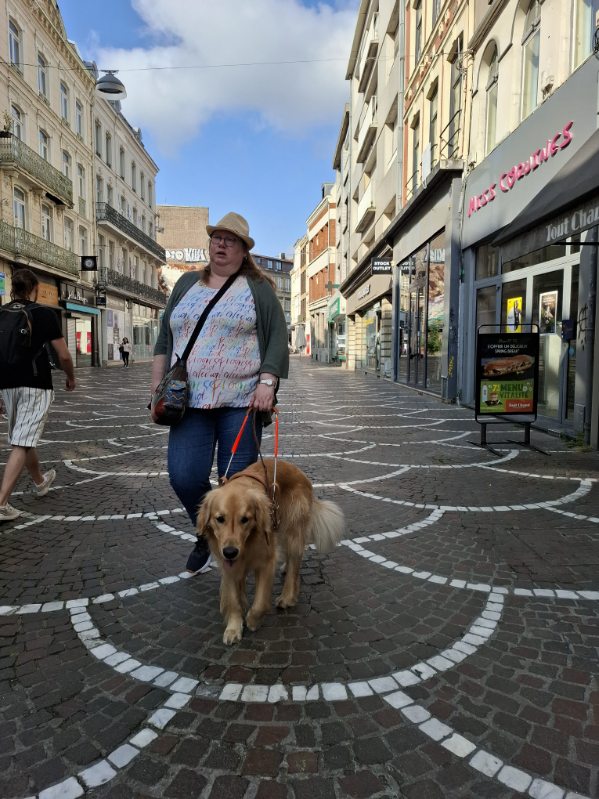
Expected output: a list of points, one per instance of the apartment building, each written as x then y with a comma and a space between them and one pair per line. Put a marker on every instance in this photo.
181, 230
278, 268
300, 325
337, 305
320, 272
47, 95
409, 96
59, 152
129, 257
531, 200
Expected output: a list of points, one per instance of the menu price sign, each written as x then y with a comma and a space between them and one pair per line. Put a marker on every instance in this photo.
507, 373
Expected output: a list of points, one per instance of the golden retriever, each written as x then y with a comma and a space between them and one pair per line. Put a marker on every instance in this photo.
238, 522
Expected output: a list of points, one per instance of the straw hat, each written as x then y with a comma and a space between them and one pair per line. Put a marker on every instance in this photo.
236, 224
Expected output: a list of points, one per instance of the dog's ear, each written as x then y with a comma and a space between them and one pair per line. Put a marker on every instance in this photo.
203, 518
263, 517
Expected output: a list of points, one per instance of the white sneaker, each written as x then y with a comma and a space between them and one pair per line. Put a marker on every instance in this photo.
7, 512
42, 489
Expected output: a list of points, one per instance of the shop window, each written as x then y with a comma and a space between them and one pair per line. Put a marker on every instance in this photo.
487, 262
549, 253
486, 300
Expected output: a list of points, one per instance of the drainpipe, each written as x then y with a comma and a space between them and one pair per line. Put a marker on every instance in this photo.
590, 334
400, 107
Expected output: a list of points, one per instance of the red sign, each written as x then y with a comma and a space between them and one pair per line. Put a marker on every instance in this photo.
507, 180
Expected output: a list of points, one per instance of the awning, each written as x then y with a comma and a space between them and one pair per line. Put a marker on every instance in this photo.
71, 306
572, 184
334, 309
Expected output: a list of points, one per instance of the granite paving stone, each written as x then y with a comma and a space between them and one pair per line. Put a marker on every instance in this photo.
447, 649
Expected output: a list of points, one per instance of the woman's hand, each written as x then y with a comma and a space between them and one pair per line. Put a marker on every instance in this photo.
264, 396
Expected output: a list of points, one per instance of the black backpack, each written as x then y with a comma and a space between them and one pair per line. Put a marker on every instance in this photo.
15, 334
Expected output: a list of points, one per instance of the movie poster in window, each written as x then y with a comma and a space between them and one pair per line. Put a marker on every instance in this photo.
548, 312
514, 315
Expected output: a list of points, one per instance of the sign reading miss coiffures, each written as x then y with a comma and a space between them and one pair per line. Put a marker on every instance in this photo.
507, 373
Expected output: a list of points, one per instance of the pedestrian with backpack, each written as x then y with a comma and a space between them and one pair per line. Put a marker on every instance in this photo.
26, 390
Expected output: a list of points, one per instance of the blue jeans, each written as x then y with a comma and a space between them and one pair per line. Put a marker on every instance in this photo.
191, 447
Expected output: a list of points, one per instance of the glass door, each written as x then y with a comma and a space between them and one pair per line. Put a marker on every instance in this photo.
547, 302
416, 337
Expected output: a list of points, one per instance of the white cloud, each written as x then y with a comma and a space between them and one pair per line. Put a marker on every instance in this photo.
289, 97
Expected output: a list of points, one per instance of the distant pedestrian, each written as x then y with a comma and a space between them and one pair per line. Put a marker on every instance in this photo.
26, 383
125, 349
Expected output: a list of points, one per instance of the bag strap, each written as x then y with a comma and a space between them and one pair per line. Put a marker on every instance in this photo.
202, 319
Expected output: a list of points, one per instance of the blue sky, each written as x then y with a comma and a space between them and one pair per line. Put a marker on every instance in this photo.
228, 130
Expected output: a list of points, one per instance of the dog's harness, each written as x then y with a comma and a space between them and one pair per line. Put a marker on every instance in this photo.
271, 491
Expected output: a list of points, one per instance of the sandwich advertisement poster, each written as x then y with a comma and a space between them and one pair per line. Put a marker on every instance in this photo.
507, 373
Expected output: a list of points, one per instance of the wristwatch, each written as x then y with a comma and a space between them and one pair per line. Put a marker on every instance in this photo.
267, 382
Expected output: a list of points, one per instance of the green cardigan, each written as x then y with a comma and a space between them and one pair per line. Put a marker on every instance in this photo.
271, 326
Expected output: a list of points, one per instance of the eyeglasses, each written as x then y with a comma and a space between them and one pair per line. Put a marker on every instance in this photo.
228, 241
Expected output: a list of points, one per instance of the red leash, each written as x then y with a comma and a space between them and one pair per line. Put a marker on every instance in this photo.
238, 439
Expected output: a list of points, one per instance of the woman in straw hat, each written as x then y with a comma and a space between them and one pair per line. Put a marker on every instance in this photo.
235, 364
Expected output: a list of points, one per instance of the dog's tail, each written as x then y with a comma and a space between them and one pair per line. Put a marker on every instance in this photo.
328, 525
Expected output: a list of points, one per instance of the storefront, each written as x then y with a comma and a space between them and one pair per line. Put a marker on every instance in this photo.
369, 318
81, 322
337, 336
426, 284
530, 254
115, 327
422, 299
145, 331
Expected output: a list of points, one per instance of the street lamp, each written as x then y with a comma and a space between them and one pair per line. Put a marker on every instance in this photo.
110, 87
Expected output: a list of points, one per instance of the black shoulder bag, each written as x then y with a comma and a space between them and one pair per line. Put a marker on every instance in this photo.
169, 400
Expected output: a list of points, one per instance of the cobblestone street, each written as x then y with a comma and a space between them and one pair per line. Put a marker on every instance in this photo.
448, 648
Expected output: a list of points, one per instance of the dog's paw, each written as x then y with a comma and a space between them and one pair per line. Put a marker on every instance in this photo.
286, 602
253, 620
232, 636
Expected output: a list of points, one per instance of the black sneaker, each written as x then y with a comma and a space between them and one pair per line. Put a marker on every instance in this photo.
200, 560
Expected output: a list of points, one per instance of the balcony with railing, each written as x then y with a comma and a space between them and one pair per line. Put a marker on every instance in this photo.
16, 155
23, 244
365, 210
367, 132
369, 50
436, 155
111, 279
106, 214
